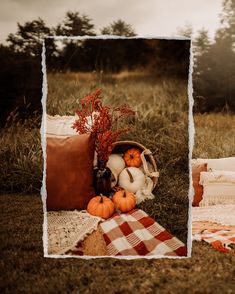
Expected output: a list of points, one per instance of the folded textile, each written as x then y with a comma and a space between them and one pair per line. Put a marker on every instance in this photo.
199, 226
145, 192
219, 239
221, 214
217, 176
67, 228
92, 245
60, 126
136, 233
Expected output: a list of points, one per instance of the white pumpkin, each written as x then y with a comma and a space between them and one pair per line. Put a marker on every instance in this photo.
131, 179
116, 164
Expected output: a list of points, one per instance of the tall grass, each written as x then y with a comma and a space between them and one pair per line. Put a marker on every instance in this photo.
20, 155
161, 107
215, 135
160, 124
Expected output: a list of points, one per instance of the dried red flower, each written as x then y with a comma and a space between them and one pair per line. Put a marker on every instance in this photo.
102, 121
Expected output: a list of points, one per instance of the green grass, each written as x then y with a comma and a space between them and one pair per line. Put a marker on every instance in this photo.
215, 135
161, 124
25, 270
21, 157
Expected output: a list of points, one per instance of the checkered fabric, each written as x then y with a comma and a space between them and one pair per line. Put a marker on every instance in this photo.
219, 239
136, 233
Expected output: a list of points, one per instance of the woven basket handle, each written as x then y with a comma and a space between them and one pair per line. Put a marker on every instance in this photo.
145, 165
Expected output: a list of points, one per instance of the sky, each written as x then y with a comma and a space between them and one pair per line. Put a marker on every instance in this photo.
156, 18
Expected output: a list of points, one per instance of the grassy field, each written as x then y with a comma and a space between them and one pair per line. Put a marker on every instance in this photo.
161, 124
23, 268
215, 135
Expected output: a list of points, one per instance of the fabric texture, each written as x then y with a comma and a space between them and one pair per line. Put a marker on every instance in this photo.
136, 233
92, 245
227, 163
145, 192
60, 126
214, 225
69, 172
219, 239
198, 188
221, 214
217, 176
199, 226
67, 228
218, 193
218, 187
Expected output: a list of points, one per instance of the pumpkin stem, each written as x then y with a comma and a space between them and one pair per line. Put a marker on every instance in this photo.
124, 194
101, 198
130, 175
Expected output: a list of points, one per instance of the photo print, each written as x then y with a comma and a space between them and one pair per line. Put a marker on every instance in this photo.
116, 143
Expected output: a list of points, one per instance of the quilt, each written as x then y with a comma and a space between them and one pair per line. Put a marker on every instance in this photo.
136, 233
220, 240
215, 225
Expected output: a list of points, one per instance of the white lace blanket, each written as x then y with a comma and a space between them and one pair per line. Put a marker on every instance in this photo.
67, 228
221, 214
217, 177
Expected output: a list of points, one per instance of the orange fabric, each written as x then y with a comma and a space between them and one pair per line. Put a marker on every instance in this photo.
218, 245
198, 189
69, 172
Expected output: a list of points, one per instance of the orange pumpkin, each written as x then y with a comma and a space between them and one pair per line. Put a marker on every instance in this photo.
132, 157
101, 206
124, 201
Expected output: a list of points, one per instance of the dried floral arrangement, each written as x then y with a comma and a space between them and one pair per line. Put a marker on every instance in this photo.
102, 121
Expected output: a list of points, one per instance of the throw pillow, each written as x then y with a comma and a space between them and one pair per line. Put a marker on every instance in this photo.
227, 163
218, 188
198, 188
69, 172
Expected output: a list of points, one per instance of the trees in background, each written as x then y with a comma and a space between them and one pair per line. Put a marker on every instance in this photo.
186, 31
71, 57
119, 28
75, 24
20, 70
214, 62
214, 73
28, 38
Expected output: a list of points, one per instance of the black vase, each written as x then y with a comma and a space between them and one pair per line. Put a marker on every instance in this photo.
102, 179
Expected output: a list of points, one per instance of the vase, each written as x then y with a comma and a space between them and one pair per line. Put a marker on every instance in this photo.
102, 179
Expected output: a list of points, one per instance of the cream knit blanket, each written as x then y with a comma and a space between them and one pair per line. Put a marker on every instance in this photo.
67, 228
221, 214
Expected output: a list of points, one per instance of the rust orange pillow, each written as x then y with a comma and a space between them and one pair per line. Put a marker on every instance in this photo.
198, 189
69, 172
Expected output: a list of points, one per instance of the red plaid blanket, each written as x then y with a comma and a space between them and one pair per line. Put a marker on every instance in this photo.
219, 239
136, 233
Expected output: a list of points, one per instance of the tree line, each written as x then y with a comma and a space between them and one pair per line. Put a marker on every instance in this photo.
214, 62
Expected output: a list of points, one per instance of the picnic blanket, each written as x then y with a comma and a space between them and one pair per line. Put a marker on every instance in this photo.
67, 228
221, 240
221, 214
214, 225
136, 233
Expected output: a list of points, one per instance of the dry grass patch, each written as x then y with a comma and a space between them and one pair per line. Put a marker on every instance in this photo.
215, 135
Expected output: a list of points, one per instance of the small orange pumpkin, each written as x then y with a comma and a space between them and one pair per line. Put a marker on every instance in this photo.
132, 157
101, 206
124, 201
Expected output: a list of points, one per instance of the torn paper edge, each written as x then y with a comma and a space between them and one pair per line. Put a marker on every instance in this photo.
191, 132
43, 142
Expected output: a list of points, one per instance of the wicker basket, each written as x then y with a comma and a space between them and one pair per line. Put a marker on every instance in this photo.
123, 146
